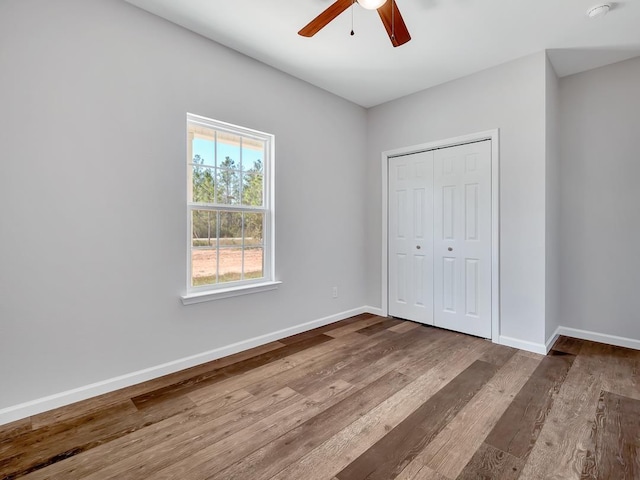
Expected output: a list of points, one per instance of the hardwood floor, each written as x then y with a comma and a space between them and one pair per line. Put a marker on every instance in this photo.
365, 398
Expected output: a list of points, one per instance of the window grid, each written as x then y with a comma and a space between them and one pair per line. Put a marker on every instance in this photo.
244, 176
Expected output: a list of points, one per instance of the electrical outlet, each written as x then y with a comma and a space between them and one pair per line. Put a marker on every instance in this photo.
334, 292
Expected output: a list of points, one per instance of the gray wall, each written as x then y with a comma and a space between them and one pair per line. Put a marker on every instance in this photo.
552, 202
93, 98
510, 97
600, 199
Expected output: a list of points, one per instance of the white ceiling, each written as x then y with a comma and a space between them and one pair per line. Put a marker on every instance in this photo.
450, 39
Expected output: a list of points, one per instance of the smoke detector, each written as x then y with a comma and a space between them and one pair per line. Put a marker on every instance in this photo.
599, 10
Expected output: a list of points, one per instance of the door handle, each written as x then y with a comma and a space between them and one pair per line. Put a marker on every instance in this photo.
418, 247
450, 249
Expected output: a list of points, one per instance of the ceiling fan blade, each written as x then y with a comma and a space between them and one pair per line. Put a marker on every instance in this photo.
394, 23
325, 17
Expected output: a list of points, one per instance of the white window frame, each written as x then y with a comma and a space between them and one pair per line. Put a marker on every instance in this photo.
205, 293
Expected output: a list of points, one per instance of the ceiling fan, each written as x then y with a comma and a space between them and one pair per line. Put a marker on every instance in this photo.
387, 9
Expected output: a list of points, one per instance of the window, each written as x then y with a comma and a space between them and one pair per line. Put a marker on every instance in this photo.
230, 208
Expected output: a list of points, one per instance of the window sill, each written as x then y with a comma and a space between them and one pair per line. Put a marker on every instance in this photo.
211, 295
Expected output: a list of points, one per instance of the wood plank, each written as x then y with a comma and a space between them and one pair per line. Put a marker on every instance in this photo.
276, 375
568, 345
14, 429
95, 404
167, 409
47, 445
518, 429
226, 414
325, 328
405, 326
346, 350
354, 327
338, 451
334, 393
390, 455
566, 436
490, 462
443, 344
182, 388
454, 446
378, 327
623, 374
498, 354
206, 393
163, 443
274, 457
617, 440
393, 342
205, 462
425, 353
415, 471
418, 346
535, 356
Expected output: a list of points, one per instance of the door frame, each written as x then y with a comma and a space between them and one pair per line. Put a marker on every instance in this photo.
494, 137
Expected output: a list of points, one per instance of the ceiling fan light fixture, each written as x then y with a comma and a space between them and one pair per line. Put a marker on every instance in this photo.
371, 4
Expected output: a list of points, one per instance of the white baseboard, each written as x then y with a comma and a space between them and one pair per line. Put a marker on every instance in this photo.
552, 340
599, 337
33, 407
523, 345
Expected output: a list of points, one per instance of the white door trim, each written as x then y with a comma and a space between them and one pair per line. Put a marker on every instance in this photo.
494, 137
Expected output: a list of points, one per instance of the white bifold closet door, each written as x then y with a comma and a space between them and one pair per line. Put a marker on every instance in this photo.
440, 238
411, 237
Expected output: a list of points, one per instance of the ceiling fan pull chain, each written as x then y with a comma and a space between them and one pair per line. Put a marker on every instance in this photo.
393, 21
352, 4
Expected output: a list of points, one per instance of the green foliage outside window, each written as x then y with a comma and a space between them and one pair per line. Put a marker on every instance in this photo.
227, 185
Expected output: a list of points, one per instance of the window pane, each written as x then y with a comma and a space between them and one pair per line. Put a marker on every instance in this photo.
253, 228
230, 265
203, 228
252, 189
253, 263
228, 149
228, 186
202, 145
203, 184
231, 229
252, 153
203, 152
203, 266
